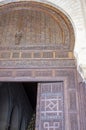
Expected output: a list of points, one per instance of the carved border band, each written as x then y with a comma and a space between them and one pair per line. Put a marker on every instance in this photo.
39, 63
36, 74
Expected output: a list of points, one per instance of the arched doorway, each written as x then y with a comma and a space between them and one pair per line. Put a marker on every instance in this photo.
37, 42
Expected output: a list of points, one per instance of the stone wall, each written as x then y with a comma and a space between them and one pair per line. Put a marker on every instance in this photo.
15, 108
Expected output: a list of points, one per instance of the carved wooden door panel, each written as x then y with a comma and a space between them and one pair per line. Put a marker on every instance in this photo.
56, 107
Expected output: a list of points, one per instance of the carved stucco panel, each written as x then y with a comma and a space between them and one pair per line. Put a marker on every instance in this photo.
75, 10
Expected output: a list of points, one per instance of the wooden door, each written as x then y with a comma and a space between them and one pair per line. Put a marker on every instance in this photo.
56, 107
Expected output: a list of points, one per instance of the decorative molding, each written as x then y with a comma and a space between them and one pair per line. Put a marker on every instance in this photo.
36, 74
40, 63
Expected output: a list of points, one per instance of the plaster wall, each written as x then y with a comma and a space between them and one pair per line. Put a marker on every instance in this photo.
76, 12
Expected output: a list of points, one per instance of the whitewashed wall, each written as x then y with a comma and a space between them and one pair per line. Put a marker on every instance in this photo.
76, 11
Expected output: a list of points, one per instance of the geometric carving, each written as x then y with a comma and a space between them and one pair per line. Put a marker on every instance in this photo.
15, 55
5, 55
39, 26
55, 126
25, 55
58, 103
39, 74
47, 55
36, 63
32, 37
51, 106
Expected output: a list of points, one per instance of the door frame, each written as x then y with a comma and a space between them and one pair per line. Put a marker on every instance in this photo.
66, 79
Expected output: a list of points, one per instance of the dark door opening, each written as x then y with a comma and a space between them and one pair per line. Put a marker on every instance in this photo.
18, 105
31, 91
